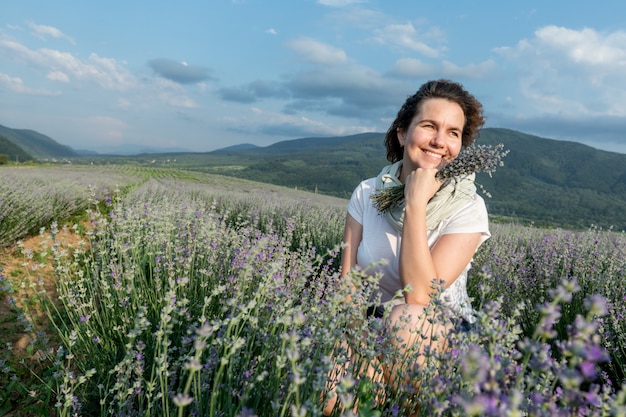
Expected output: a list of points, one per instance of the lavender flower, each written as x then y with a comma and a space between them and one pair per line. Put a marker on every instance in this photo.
474, 159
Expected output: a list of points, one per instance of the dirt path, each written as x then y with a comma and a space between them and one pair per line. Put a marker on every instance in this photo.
28, 268
27, 276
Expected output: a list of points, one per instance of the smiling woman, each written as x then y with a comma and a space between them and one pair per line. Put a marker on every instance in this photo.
430, 238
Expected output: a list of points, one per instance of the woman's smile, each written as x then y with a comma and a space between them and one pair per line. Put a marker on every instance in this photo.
433, 154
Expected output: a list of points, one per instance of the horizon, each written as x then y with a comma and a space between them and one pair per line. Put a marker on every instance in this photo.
125, 149
206, 76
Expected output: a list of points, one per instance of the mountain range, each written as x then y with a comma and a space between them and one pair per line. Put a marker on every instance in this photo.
545, 182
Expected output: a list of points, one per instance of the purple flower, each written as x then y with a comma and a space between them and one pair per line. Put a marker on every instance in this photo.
597, 305
588, 370
595, 354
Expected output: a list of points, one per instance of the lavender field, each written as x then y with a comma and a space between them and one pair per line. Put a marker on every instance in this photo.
189, 294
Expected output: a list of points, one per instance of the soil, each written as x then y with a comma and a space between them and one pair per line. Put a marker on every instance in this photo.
29, 266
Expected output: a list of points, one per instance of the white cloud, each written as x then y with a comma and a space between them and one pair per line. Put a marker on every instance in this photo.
406, 37
415, 68
58, 76
338, 3
412, 68
271, 31
317, 52
273, 118
356, 18
12, 83
574, 73
585, 46
17, 85
480, 70
106, 72
123, 103
272, 123
177, 100
42, 32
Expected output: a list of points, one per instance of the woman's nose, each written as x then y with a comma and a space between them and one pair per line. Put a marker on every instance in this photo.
438, 139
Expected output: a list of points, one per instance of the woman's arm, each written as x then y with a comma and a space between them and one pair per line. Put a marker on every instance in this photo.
419, 264
352, 235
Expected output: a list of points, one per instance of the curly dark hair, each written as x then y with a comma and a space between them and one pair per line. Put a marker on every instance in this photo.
446, 89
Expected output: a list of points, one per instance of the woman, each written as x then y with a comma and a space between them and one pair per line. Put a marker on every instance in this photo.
435, 233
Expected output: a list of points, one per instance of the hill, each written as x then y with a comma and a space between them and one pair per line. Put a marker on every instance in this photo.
326, 165
556, 183
12, 151
545, 182
36, 144
240, 147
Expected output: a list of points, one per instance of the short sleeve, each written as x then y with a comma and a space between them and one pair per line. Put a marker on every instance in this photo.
356, 205
472, 218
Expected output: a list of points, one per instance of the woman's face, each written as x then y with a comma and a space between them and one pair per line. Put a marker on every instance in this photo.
434, 136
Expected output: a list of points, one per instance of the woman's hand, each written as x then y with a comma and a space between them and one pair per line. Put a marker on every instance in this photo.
421, 185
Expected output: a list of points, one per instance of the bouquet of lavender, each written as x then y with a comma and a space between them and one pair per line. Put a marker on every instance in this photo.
473, 159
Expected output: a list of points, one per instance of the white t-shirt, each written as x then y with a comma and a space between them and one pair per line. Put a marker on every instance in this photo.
381, 241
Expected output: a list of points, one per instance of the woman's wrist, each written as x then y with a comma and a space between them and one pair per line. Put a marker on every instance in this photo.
415, 209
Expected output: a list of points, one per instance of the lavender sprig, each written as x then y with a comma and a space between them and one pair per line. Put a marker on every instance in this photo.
474, 159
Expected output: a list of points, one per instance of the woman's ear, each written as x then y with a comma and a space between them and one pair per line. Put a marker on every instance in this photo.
401, 136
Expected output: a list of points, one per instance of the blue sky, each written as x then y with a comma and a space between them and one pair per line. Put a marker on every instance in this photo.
202, 75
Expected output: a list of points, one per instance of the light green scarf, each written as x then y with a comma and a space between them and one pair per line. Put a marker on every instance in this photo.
454, 194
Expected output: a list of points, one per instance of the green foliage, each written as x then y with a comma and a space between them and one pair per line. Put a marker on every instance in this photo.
9, 151
553, 183
35, 144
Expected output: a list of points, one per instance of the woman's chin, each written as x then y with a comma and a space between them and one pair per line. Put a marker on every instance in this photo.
430, 165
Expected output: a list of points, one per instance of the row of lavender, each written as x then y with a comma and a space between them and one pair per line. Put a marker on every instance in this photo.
32, 197
188, 304
188, 300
